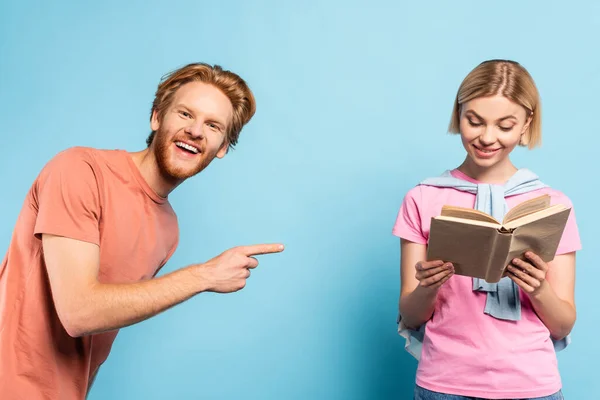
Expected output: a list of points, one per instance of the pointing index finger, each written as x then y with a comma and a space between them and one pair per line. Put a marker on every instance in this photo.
259, 249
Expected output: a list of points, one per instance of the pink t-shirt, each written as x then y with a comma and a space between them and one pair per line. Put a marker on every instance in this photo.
466, 352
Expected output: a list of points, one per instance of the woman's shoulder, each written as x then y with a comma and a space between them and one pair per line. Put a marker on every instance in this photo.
423, 193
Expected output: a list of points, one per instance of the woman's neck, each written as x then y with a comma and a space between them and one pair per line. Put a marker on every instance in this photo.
495, 174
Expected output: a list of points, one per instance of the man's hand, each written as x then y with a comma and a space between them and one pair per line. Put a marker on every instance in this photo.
229, 271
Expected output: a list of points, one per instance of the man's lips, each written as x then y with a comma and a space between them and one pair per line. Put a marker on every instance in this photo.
188, 147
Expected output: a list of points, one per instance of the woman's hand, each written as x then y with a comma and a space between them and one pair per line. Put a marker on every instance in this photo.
433, 274
529, 275
551, 289
419, 283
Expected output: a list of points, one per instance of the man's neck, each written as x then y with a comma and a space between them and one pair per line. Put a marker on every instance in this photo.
148, 167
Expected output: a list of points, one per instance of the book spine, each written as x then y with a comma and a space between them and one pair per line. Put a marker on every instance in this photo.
498, 255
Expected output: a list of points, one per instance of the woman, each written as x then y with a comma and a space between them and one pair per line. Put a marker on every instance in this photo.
475, 339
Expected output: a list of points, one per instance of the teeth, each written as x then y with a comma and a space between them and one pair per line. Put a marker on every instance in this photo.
187, 147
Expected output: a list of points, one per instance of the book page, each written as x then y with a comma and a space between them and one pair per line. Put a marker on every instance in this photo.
467, 213
469, 221
527, 207
540, 236
538, 215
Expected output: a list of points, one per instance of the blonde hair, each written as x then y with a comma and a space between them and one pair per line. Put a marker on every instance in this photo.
506, 78
233, 86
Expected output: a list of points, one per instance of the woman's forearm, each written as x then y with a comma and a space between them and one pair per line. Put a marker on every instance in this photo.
558, 315
417, 307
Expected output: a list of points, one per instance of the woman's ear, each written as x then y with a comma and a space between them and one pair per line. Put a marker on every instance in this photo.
525, 133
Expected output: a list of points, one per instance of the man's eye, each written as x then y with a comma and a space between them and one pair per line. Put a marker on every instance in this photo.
185, 114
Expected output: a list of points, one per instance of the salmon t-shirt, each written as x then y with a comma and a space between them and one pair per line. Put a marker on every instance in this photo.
96, 196
466, 352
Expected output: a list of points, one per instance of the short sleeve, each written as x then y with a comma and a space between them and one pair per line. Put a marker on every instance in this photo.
570, 240
169, 255
67, 198
408, 221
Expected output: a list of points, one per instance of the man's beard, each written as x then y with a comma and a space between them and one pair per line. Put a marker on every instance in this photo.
172, 172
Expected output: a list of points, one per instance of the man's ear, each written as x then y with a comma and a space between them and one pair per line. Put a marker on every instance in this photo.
154, 122
223, 150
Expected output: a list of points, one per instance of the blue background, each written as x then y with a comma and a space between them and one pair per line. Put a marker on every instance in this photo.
354, 99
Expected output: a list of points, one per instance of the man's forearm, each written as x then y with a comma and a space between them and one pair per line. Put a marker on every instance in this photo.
558, 315
108, 307
86, 306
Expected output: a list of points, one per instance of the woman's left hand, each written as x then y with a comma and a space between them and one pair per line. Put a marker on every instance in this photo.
529, 275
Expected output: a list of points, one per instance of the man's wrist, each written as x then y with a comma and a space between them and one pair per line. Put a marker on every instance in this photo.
200, 277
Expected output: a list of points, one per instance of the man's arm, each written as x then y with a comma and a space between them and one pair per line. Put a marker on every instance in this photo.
86, 306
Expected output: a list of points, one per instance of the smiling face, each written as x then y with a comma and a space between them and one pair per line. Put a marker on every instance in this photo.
490, 128
192, 131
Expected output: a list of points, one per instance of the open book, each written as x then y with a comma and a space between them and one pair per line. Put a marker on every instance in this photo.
481, 247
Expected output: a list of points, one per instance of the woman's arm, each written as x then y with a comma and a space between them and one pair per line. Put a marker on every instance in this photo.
551, 289
420, 282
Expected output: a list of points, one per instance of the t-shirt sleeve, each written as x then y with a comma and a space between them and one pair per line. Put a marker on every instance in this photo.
170, 254
67, 198
408, 221
570, 240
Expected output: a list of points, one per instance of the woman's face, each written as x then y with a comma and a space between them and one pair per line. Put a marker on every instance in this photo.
491, 127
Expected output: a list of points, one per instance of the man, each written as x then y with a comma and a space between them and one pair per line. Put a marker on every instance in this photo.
96, 227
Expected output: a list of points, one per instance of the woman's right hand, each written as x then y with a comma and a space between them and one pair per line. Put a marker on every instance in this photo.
433, 274
419, 283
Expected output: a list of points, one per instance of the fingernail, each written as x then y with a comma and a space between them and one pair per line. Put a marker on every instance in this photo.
515, 260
